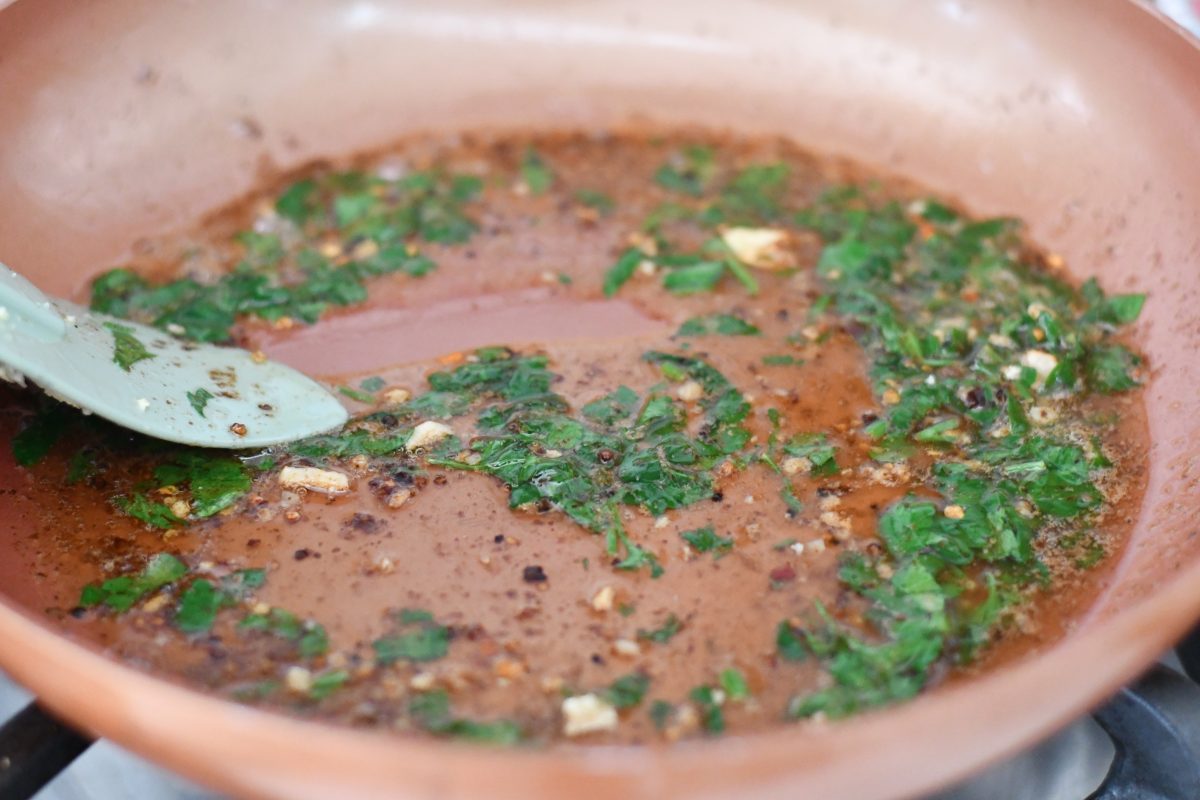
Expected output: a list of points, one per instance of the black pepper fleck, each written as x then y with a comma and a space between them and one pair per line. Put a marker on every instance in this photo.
534, 574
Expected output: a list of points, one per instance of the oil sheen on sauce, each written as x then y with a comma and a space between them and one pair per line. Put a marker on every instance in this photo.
533, 609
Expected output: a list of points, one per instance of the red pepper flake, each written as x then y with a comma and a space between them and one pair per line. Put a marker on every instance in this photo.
783, 574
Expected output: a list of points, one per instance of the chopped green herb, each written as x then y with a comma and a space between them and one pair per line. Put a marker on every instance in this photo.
431, 711
152, 512
199, 399
380, 217
310, 638
122, 593
966, 395
428, 642
357, 395
660, 713
702, 276
598, 201
689, 172
722, 324
628, 690
127, 348
535, 173
789, 642
198, 607
622, 270
712, 718
612, 408
816, 448
733, 683
753, 196
81, 466
664, 633
35, 441
216, 482
703, 540
782, 360
327, 683
645, 459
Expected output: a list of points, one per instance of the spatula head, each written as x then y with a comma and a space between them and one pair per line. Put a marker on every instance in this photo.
149, 381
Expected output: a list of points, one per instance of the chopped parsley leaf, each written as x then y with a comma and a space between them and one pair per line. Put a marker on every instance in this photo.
35, 441
378, 219
535, 172
428, 642
431, 711
599, 201
620, 272
127, 348
689, 172
721, 324
712, 718
309, 637
628, 690
123, 592
199, 399
664, 633
703, 540
733, 683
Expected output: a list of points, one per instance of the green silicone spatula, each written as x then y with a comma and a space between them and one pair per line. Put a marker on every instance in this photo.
148, 381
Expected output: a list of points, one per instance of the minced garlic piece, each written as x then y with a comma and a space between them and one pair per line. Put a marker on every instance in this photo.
314, 479
626, 648
690, 391
1040, 361
835, 520
422, 681
155, 604
793, 465
398, 498
954, 512
298, 679
426, 434
603, 600
508, 668
1042, 415
396, 396
587, 713
762, 248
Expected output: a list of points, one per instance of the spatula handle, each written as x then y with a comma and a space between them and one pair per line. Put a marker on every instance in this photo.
26, 311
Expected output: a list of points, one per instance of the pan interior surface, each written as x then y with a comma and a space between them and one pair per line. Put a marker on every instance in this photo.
131, 118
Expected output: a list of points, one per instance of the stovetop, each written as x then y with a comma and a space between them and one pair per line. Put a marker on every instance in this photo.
1143, 745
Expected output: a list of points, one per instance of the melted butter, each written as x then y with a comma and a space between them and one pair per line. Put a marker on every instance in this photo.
456, 549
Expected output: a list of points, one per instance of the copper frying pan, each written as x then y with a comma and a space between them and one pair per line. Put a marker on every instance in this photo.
1082, 116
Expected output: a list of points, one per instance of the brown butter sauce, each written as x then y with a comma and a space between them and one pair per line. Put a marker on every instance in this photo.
440, 550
